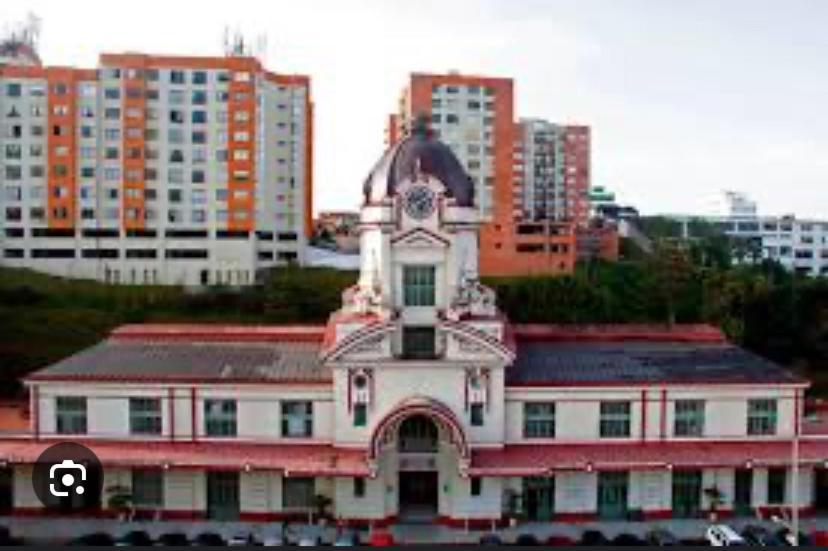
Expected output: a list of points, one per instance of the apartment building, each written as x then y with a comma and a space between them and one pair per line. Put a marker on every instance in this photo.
555, 169
474, 116
155, 169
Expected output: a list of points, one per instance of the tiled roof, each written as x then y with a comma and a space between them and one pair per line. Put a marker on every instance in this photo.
295, 460
115, 359
532, 460
640, 362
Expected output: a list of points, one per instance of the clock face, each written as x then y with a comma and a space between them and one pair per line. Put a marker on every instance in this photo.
419, 202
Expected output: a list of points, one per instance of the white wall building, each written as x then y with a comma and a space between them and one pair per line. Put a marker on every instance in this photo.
419, 400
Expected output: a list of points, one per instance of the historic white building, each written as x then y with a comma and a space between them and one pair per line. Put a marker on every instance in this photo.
419, 400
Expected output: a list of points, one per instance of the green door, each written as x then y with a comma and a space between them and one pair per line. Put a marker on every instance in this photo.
687, 491
223, 495
742, 492
539, 497
613, 489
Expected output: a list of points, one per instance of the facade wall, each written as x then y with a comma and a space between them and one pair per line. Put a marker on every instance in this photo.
135, 173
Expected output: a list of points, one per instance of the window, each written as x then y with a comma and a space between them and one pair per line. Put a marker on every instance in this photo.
360, 415
761, 417
70, 415
776, 486
476, 414
298, 493
476, 486
13, 90
145, 416
615, 419
147, 488
297, 419
689, 418
359, 487
220, 417
539, 420
418, 285
419, 343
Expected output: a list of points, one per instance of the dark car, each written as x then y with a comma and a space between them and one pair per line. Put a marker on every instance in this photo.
175, 539
490, 539
209, 539
628, 540
94, 539
134, 538
526, 539
593, 537
661, 537
761, 536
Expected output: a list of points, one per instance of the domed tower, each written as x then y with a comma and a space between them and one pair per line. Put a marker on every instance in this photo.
418, 325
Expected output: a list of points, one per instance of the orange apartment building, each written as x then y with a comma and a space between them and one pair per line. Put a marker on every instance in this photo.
153, 168
531, 177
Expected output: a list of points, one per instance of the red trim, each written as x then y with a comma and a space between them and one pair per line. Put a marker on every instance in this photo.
620, 332
663, 420
229, 333
193, 414
576, 517
470, 523
657, 514
661, 383
643, 415
162, 379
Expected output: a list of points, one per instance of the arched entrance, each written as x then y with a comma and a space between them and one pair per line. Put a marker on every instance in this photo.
417, 447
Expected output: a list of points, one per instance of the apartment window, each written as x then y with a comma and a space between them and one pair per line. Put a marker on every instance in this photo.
539, 420
360, 415
776, 486
359, 487
689, 418
147, 488
761, 417
476, 414
297, 419
70, 415
418, 285
199, 77
13, 172
178, 77
13, 90
476, 486
145, 416
298, 493
615, 419
220, 417
199, 117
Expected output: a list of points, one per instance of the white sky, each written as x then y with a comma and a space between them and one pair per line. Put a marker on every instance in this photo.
685, 98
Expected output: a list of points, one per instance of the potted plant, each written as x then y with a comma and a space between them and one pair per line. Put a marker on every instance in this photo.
120, 501
715, 498
321, 503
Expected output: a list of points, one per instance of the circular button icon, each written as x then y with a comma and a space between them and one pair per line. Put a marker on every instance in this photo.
68, 477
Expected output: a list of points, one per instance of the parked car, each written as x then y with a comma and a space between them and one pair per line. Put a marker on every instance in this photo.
661, 537
760, 536
273, 540
786, 535
134, 538
241, 539
722, 535
490, 539
93, 539
310, 541
593, 537
628, 540
382, 538
560, 541
174, 539
209, 539
348, 538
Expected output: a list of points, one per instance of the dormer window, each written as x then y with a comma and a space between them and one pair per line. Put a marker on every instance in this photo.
419, 286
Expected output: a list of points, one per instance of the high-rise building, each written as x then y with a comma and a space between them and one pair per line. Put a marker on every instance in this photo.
474, 116
555, 171
155, 169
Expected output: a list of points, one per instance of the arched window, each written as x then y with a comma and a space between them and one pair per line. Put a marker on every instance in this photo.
418, 434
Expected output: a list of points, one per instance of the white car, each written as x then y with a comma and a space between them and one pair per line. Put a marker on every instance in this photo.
722, 535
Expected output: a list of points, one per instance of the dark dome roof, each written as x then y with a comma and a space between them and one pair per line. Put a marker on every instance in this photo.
401, 161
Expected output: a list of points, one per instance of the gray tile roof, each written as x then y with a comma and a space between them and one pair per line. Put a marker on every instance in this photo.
640, 362
202, 361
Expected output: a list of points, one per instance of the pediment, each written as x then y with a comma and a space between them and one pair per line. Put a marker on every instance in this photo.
371, 342
420, 238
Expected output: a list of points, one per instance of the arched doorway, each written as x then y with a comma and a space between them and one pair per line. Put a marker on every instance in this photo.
418, 442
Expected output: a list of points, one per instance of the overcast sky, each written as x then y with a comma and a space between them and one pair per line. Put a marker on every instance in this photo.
685, 98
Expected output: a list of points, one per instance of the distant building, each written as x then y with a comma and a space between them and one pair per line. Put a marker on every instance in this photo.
474, 117
339, 228
153, 169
